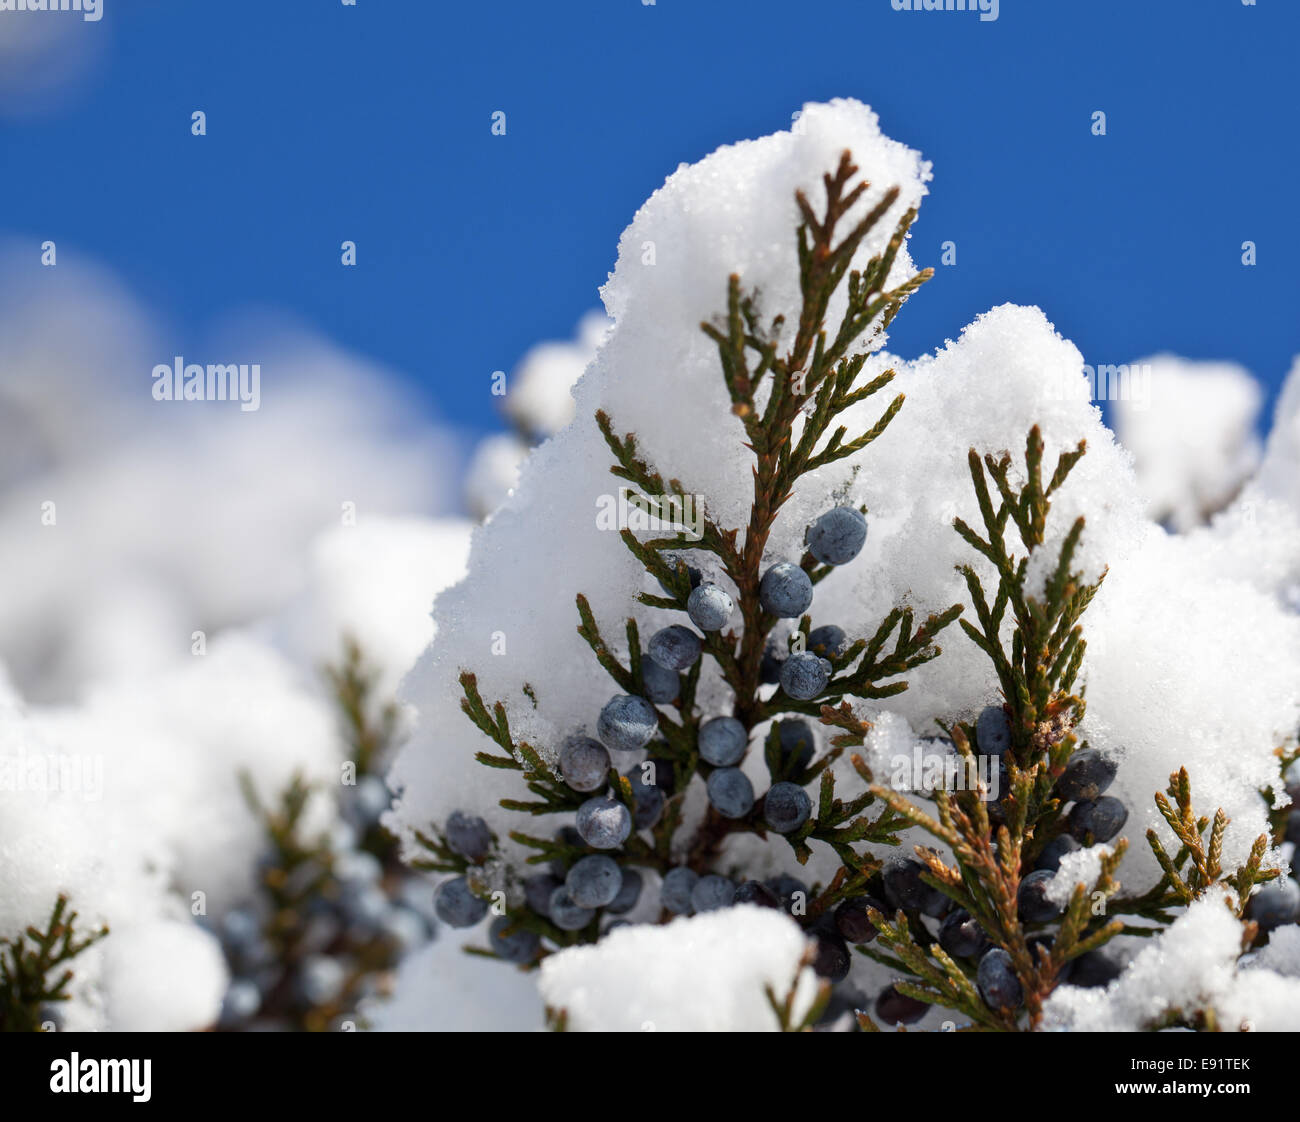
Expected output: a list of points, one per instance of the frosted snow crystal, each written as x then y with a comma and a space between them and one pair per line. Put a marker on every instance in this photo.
1080, 867
708, 973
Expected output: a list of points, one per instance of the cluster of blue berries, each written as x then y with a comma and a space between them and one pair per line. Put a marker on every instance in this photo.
593, 877
332, 921
786, 592
1094, 817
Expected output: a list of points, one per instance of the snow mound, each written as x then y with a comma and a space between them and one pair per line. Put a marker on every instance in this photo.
708, 973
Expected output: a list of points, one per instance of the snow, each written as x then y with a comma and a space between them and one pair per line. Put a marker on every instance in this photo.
539, 397
1189, 967
373, 583
545, 545
1192, 434
255, 703
441, 988
493, 472
168, 630
74, 838
705, 973
189, 733
165, 976
172, 517
1082, 867
1281, 954
1159, 648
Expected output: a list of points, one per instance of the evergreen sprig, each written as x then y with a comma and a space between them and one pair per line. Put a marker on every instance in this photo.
369, 728
1197, 864
35, 971
304, 896
994, 844
784, 1006
789, 401
1037, 675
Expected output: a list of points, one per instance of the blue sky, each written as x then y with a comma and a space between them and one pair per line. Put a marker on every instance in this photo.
372, 123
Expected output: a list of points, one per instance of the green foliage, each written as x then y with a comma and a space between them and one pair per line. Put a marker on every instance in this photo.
369, 723
35, 971
1196, 865
1047, 644
994, 844
298, 887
